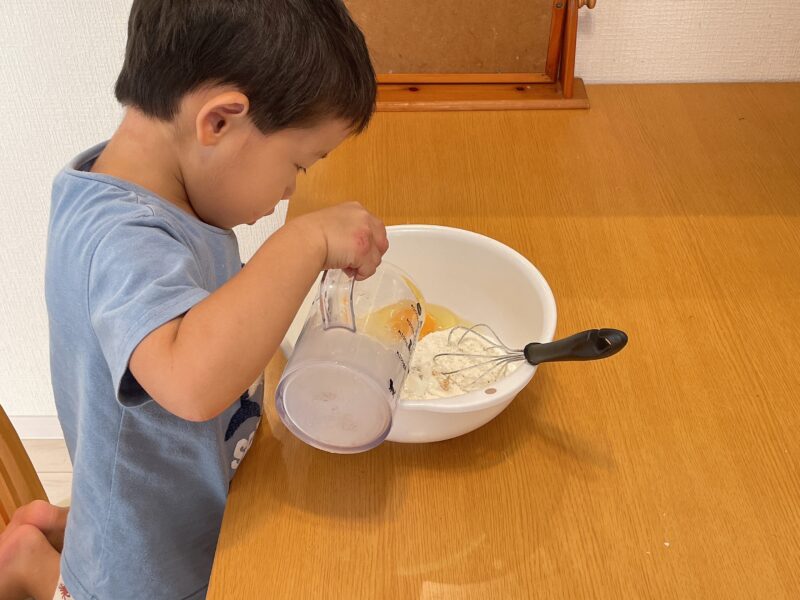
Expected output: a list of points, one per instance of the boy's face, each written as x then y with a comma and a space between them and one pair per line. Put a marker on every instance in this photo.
244, 173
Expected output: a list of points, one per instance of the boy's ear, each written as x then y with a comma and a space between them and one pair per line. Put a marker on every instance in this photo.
219, 115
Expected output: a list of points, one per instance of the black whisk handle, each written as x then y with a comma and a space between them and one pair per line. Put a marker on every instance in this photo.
593, 344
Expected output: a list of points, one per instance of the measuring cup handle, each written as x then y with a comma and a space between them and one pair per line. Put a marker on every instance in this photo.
336, 300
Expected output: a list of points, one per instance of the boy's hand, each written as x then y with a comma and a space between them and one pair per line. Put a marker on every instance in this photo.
352, 239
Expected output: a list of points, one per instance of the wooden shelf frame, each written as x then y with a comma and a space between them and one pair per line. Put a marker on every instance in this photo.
556, 88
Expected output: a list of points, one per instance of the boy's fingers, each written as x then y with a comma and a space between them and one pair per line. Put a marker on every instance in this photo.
381, 240
366, 270
370, 264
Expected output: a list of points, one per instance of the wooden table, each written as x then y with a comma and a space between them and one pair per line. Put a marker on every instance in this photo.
669, 471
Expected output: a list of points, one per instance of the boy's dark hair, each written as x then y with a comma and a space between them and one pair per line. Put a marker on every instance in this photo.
298, 61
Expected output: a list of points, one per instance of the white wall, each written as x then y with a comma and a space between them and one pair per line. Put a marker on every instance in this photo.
58, 62
689, 40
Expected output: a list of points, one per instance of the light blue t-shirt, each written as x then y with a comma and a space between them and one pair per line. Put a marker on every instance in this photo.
149, 488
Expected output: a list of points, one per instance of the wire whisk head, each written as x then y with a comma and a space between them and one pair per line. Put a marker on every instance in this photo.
478, 350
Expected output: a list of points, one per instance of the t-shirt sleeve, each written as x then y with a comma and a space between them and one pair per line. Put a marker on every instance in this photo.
141, 276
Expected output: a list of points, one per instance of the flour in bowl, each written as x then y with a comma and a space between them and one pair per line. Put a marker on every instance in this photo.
426, 378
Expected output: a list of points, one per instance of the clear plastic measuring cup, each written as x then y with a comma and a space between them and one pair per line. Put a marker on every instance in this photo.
342, 382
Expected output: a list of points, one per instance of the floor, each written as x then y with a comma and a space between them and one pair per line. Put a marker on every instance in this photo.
51, 461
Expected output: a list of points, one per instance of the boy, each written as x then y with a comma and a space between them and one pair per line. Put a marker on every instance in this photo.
157, 332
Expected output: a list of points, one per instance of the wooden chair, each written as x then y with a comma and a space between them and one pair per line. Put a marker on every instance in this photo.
19, 483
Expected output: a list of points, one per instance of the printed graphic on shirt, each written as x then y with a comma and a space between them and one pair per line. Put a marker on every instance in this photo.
246, 415
62, 593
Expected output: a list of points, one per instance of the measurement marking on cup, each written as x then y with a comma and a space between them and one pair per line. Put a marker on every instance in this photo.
410, 324
402, 360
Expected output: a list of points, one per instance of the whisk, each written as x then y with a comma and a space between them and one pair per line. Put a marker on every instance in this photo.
592, 344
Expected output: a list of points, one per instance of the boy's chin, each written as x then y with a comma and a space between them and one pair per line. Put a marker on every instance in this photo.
261, 217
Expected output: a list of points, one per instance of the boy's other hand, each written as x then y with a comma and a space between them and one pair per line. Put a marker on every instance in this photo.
351, 238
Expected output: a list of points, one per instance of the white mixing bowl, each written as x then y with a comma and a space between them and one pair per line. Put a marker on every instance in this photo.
483, 281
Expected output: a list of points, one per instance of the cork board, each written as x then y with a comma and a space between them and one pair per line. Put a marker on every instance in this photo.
455, 36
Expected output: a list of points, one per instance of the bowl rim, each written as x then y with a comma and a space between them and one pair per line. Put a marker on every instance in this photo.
513, 383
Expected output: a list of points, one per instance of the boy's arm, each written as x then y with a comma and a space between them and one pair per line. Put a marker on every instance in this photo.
196, 366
